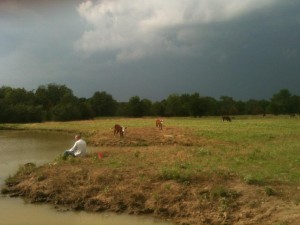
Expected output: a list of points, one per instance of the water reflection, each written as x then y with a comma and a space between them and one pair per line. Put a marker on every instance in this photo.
19, 147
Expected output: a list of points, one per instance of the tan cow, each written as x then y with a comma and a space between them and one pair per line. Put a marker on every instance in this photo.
159, 123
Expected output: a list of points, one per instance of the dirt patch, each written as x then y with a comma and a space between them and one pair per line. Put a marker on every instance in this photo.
147, 136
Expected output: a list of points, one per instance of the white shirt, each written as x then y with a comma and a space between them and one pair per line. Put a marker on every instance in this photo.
79, 148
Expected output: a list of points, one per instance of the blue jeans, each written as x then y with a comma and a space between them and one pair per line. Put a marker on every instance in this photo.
66, 154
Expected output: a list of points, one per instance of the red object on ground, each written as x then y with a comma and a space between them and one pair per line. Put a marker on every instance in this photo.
100, 155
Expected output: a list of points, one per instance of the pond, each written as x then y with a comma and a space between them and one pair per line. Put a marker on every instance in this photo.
20, 147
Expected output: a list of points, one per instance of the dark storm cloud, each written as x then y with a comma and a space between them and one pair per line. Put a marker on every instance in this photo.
244, 49
263, 51
252, 56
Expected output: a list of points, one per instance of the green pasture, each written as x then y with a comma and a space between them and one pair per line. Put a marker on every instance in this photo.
258, 149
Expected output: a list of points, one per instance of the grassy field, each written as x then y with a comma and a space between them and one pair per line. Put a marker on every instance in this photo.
258, 149
193, 171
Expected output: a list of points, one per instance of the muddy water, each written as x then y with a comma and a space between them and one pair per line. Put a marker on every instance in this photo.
19, 147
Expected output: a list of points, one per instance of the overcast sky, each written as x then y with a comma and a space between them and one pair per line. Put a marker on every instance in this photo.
245, 49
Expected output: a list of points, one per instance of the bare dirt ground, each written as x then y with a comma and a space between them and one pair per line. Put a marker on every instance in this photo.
128, 180
146, 136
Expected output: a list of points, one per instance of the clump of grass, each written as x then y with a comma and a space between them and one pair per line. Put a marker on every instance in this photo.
115, 163
297, 200
142, 177
23, 170
95, 158
60, 159
203, 152
249, 179
12, 180
4, 191
168, 187
41, 177
283, 223
175, 173
156, 196
137, 153
269, 191
219, 192
26, 169
224, 196
106, 189
223, 192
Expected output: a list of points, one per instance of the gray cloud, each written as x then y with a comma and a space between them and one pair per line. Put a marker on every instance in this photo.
244, 49
135, 29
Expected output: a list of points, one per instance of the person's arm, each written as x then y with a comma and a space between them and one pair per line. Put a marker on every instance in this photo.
73, 149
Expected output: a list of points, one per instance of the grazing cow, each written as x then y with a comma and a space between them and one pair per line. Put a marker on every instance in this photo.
159, 123
118, 129
226, 118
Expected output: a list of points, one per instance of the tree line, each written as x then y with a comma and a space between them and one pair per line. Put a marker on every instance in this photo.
53, 102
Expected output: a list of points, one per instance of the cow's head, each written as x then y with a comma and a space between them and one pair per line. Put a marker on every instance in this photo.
123, 129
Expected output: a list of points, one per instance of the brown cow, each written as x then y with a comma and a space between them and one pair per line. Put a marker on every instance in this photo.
118, 129
159, 123
226, 118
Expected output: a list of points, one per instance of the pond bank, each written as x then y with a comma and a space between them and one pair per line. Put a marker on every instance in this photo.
90, 184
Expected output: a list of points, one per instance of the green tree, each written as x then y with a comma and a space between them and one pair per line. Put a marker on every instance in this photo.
211, 106
281, 102
295, 104
50, 95
135, 107
122, 109
228, 106
175, 106
17, 106
196, 105
86, 111
158, 108
65, 112
13, 96
256, 107
103, 104
146, 105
